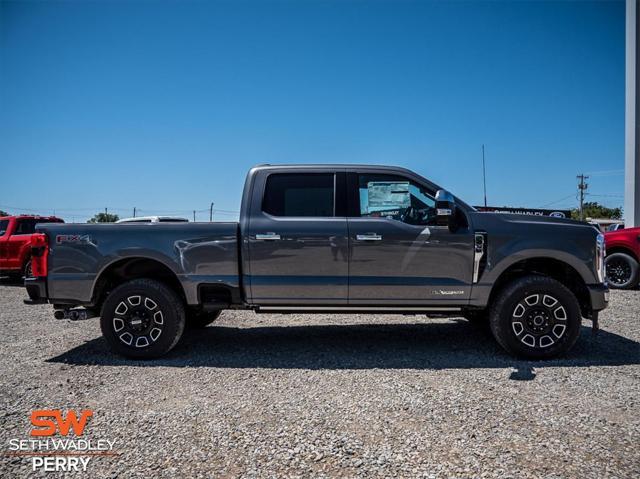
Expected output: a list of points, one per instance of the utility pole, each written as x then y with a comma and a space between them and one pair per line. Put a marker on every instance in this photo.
582, 186
484, 178
194, 216
134, 211
211, 213
105, 210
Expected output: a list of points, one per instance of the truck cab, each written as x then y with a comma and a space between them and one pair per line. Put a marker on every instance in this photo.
341, 236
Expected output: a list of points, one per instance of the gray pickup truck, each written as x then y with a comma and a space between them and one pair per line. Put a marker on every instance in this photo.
328, 239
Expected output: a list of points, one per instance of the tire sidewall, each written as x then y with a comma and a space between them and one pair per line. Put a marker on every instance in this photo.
633, 264
509, 299
167, 301
27, 270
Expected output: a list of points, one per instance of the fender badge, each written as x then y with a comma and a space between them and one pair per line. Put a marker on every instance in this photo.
77, 239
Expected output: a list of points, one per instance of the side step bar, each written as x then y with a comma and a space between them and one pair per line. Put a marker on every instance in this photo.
357, 309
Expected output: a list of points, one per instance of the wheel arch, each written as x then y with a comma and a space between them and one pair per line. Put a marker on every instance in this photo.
134, 267
622, 249
554, 268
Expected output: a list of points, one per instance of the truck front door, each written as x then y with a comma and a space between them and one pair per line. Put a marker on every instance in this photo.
399, 256
298, 242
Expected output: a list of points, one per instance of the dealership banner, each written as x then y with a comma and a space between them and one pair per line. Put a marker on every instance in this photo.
525, 211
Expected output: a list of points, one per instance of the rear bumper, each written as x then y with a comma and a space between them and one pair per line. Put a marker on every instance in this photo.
599, 295
37, 290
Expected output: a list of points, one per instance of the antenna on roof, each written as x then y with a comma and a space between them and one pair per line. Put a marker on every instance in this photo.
484, 178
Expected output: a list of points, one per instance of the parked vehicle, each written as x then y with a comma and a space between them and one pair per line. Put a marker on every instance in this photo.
327, 239
154, 219
15, 242
615, 227
623, 254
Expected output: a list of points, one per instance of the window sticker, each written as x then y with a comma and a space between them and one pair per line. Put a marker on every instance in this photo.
387, 195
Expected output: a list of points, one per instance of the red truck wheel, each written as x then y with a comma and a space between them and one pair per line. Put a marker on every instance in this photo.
622, 271
28, 273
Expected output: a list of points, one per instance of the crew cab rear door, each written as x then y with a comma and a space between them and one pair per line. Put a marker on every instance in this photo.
297, 238
399, 256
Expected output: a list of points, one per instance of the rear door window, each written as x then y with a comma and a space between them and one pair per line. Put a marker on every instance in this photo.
300, 194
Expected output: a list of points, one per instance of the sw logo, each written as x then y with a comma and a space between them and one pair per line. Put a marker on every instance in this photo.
50, 421
57, 442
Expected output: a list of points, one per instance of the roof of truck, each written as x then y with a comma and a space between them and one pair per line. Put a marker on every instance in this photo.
330, 166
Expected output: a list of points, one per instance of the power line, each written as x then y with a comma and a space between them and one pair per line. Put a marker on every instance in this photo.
606, 172
572, 195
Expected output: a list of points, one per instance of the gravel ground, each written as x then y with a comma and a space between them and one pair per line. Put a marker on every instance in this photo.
330, 396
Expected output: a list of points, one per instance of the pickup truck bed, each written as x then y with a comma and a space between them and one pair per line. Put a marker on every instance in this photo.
197, 254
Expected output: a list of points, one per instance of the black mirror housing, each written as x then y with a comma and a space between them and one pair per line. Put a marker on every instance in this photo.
445, 209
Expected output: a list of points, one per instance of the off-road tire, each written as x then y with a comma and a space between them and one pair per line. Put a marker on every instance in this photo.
138, 309
535, 317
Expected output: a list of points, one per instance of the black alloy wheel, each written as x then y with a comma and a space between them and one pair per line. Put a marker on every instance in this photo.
621, 271
142, 318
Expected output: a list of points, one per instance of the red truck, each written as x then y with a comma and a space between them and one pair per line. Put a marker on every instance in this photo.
623, 255
15, 242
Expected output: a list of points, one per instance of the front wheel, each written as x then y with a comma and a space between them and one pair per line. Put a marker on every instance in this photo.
142, 319
536, 317
27, 271
621, 271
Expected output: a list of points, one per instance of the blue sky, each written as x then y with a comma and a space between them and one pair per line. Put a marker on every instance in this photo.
165, 105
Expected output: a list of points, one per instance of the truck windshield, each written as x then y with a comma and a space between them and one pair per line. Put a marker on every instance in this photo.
4, 224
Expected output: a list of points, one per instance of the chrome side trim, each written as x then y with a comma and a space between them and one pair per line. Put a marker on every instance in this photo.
479, 246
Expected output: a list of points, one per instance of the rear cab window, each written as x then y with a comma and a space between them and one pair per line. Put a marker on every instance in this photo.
25, 227
300, 195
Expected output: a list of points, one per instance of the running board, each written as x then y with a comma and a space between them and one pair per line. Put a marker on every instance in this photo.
357, 309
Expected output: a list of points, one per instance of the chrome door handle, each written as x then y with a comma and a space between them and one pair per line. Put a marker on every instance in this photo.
267, 236
369, 237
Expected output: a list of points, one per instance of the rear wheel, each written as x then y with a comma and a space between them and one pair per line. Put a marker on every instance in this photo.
536, 317
142, 319
621, 271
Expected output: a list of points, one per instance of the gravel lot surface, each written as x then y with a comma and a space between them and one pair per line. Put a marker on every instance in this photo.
330, 396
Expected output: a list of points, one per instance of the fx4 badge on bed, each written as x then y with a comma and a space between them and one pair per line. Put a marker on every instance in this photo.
76, 239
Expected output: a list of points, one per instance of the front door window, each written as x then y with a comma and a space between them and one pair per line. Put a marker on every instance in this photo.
393, 197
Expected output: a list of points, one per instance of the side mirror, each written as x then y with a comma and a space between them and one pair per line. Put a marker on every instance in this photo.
445, 209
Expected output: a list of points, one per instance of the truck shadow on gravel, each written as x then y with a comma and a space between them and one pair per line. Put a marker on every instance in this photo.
455, 345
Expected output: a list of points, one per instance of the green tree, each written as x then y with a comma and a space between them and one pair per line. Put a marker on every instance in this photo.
3, 213
104, 218
593, 209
